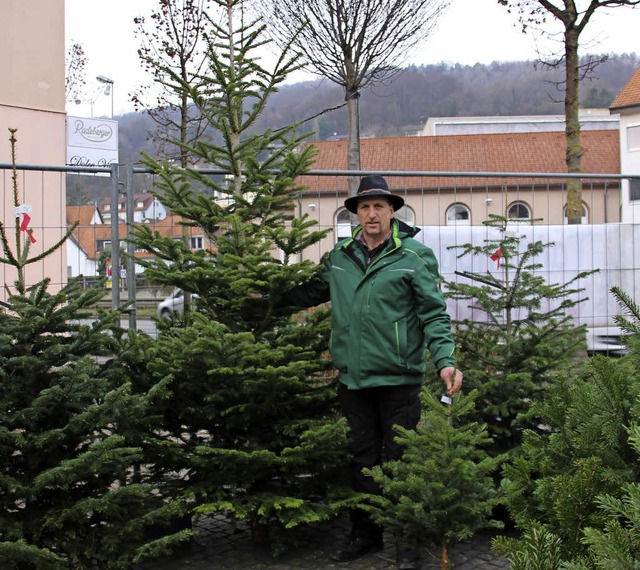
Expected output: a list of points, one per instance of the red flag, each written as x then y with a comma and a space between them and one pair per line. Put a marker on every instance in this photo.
496, 255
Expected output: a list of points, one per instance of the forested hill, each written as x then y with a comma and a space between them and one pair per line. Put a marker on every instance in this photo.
416, 93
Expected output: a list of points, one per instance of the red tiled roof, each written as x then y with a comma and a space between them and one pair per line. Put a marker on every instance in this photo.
87, 236
542, 152
630, 94
81, 214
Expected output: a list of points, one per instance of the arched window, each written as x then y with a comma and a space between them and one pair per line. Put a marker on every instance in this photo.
585, 215
519, 212
343, 224
406, 215
458, 215
343, 221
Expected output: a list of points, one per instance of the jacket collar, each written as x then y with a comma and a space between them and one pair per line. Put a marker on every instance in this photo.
398, 230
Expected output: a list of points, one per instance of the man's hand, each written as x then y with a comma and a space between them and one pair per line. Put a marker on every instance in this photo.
452, 377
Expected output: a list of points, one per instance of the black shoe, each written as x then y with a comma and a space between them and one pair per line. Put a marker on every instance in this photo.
408, 559
356, 547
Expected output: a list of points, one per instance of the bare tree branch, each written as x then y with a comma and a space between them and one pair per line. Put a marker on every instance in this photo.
173, 52
75, 63
353, 43
574, 16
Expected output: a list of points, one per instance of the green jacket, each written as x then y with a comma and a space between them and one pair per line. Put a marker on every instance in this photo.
385, 315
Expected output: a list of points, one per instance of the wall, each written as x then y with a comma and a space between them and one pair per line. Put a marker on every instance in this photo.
629, 162
32, 100
545, 200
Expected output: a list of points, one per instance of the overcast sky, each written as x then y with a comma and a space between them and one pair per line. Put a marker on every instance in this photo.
471, 31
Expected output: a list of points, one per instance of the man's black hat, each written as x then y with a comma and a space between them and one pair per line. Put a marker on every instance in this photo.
370, 186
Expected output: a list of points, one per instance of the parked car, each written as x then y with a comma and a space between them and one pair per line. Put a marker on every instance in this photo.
172, 305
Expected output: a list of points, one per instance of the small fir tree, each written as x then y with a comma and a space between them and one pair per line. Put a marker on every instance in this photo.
583, 453
68, 498
574, 490
442, 491
537, 549
526, 338
617, 543
253, 405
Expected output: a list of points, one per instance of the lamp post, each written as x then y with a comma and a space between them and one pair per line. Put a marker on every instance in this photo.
108, 88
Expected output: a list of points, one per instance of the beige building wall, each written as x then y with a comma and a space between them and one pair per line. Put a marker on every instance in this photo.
32, 100
429, 208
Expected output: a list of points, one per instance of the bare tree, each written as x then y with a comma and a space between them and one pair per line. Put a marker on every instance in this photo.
173, 46
574, 16
75, 63
353, 43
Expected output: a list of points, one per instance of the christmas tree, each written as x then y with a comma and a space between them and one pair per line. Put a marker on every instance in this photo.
522, 337
442, 491
574, 490
252, 401
68, 495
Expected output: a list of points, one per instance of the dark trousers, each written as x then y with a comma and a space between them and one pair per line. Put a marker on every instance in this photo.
371, 414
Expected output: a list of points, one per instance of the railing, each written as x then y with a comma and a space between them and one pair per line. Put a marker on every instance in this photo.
450, 207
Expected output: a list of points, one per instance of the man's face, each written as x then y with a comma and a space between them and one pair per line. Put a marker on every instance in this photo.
375, 215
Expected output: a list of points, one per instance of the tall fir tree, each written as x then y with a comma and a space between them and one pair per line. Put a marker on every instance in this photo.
253, 403
521, 337
68, 497
442, 491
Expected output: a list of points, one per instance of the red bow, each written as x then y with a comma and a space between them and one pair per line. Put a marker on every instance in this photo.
24, 226
496, 255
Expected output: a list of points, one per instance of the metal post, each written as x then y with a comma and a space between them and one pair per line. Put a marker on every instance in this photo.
131, 261
115, 239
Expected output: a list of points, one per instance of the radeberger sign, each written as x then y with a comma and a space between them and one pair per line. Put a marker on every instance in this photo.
91, 142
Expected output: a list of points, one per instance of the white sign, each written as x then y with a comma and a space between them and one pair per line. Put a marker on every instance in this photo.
91, 142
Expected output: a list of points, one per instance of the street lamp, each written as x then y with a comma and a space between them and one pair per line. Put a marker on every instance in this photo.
108, 88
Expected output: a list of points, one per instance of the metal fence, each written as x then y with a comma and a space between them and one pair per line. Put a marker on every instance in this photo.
449, 207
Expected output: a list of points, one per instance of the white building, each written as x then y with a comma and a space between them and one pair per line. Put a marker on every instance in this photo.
627, 106
590, 120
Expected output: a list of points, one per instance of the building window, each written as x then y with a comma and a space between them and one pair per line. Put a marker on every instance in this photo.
633, 137
458, 215
103, 244
343, 224
519, 212
196, 242
585, 215
406, 215
634, 189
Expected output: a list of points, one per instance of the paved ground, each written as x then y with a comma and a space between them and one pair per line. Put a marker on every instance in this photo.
221, 545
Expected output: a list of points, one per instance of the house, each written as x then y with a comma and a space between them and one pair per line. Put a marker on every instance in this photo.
81, 259
145, 207
590, 120
448, 199
92, 237
627, 105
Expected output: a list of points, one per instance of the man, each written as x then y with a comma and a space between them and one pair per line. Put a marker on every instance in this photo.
386, 306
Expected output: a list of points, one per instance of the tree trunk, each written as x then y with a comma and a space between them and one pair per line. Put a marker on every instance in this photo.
353, 148
184, 163
572, 129
445, 562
